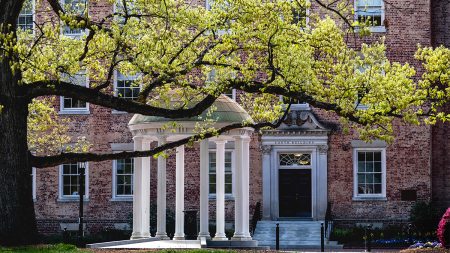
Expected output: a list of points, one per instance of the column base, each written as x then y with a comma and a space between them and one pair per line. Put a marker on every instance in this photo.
241, 237
178, 237
220, 237
139, 235
204, 235
162, 236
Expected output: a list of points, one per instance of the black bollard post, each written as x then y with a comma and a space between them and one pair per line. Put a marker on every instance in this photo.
369, 237
277, 237
81, 170
322, 238
410, 240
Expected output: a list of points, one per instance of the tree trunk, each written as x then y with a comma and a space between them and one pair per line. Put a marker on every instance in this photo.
17, 218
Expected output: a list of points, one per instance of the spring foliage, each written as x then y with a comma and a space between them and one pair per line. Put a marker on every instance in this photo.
256, 46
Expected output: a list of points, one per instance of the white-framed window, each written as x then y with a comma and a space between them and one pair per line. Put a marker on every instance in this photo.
126, 86
70, 105
69, 181
229, 172
369, 173
371, 11
123, 170
33, 182
25, 21
76, 7
300, 15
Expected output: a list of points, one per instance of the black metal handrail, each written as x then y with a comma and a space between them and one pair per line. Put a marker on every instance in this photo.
257, 215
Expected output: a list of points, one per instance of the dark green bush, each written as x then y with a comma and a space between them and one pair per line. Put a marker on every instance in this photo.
425, 217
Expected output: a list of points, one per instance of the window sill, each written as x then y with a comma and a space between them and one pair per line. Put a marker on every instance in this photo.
369, 198
118, 112
122, 199
374, 29
227, 197
65, 199
72, 112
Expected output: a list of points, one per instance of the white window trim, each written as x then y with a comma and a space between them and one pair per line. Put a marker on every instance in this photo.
116, 197
62, 24
115, 79
80, 110
233, 94
375, 29
33, 182
357, 196
33, 14
228, 196
69, 198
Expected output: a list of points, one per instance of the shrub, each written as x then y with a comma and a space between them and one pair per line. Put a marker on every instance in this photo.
425, 217
443, 231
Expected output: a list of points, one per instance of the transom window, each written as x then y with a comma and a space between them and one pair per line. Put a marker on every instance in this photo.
228, 173
126, 87
73, 105
70, 180
25, 19
370, 170
124, 169
371, 11
295, 159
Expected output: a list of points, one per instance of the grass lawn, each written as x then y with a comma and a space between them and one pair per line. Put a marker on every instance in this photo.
66, 248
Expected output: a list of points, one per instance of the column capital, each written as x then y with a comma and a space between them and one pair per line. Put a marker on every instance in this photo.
220, 141
266, 149
141, 138
323, 149
162, 139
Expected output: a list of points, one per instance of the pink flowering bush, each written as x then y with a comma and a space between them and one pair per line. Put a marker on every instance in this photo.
443, 231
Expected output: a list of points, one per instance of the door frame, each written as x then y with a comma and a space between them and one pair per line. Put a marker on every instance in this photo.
276, 151
312, 195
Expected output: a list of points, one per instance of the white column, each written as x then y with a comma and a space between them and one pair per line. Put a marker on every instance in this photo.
204, 190
266, 150
238, 204
179, 194
321, 183
161, 195
246, 186
220, 190
141, 191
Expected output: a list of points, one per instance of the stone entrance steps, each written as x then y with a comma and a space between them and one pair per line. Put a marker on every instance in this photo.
293, 235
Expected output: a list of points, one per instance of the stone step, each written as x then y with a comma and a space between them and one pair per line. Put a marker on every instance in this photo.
293, 235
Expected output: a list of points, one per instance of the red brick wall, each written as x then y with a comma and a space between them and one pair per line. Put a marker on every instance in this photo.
408, 158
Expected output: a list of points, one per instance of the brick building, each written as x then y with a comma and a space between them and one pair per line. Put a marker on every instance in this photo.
303, 169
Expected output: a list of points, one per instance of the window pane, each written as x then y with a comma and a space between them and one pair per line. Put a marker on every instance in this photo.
377, 188
361, 156
228, 178
212, 188
377, 167
228, 188
377, 178
369, 166
369, 156
377, 156
361, 166
361, 179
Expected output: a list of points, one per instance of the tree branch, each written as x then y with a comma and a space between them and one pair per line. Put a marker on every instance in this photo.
60, 88
49, 161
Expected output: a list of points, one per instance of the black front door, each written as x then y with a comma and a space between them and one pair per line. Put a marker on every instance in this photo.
295, 193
